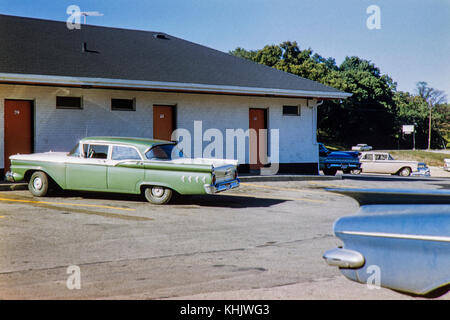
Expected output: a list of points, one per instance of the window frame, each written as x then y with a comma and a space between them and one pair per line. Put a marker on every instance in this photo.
110, 147
133, 101
297, 114
69, 107
125, 146
160, 145
84, 155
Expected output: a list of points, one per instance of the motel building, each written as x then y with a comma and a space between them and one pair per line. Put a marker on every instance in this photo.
58, 85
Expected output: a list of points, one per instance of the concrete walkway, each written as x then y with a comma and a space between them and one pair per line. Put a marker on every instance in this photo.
13, 186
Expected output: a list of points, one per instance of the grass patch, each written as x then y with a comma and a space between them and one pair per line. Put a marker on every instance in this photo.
430, 158
334, 147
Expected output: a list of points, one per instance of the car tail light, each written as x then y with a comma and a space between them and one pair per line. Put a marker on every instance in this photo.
213, 180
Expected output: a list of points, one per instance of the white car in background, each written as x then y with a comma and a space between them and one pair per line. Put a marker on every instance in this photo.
383, 162
447, 164
361, 147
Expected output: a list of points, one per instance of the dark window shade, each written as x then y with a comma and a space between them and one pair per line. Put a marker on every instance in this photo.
123, 104
69, 103
291, 110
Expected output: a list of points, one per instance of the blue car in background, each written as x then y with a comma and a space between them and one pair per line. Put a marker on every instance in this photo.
399, 239
332, 161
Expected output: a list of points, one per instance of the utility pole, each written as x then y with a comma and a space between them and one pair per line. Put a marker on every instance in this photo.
429, 126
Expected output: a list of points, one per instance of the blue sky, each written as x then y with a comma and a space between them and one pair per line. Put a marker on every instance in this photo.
412, 45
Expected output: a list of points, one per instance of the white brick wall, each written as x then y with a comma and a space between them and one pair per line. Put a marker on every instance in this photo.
59, 130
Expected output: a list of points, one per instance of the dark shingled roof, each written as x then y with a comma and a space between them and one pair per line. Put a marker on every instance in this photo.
44, 47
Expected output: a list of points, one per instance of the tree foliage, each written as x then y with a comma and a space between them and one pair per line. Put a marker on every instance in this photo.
376, 111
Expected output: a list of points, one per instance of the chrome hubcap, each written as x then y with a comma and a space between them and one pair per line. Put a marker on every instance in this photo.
37, 184
157, 191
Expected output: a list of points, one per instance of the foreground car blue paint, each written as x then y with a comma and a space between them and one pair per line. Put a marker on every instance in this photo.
404, 233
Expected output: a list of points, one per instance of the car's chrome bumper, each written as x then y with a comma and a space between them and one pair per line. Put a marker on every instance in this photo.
344, 258
221, 186
422, 172
343, 166
9, 177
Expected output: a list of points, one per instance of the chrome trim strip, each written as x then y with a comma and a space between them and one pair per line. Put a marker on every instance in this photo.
397, 236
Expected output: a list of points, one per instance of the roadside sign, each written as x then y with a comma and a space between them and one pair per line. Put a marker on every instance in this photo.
408, 129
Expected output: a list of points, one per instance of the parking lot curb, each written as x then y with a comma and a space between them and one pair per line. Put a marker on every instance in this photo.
288, 178
5, 186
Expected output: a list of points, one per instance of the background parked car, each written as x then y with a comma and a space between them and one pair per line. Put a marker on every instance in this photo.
332, 161
447, 164
383, 162
362, 147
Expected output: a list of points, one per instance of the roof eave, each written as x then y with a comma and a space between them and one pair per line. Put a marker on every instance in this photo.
102, 83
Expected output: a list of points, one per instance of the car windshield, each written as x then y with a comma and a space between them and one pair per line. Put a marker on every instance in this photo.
164, 152
76, 151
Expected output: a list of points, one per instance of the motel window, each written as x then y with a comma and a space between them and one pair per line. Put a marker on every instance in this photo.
69, 103
123, 104
291, 110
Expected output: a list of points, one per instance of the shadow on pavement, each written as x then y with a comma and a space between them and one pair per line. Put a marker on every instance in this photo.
389, 178
228, 201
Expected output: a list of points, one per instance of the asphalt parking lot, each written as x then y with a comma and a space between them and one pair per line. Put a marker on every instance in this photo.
264, 240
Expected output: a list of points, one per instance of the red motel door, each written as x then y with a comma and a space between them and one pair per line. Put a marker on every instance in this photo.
163, 122
18, 129
257, 121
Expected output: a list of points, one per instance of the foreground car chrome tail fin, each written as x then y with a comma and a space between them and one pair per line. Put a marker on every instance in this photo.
344, 258
402, 233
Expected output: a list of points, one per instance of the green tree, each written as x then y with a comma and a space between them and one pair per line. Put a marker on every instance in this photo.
374, 114
433, 98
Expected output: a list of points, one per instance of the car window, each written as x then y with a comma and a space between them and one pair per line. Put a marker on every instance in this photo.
96, 151
124, 153
76, 151
368, 156
164, 152
381, 157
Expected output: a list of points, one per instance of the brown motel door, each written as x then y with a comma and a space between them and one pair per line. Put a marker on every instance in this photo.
257, 121
163, 122
18, 129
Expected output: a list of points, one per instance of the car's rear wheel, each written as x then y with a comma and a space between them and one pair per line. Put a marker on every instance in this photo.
329, 171
158, 194
38, 184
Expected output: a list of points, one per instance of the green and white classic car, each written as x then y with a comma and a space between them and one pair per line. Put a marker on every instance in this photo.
154, 168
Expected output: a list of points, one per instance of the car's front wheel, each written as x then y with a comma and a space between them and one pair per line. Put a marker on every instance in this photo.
158, 194
405, 172
38, 184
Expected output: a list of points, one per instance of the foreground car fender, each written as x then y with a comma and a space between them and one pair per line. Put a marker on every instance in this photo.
403, 234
